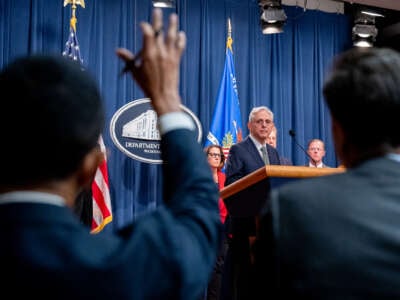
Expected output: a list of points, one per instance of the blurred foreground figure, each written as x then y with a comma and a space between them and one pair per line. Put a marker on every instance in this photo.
52, 155
337, 236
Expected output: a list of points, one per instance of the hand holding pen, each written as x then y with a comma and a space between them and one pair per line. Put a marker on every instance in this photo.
156, 66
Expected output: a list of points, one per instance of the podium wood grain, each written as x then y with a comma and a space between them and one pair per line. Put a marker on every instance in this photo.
276, 171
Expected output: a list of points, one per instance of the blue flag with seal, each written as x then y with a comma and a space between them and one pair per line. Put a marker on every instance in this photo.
226, 124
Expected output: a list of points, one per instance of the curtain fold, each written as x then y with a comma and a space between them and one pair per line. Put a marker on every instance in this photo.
283, 71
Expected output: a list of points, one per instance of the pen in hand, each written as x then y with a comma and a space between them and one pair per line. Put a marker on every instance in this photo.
132, 63
136, 61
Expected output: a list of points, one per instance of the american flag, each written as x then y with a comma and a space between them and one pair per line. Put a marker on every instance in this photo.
101, 200
72, 50
102, 214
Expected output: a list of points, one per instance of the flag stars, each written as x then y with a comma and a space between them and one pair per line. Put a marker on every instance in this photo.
72, 49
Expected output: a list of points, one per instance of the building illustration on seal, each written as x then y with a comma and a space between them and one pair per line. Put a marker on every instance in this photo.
142, 127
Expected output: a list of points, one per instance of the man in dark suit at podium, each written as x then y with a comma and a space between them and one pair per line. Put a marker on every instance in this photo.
244, 158
337, 236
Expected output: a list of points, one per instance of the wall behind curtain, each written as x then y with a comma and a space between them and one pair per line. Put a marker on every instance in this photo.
283, 71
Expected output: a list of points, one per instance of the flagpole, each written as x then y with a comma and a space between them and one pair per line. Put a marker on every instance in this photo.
72, 45
229, 40
101, 210
226, 123
74, 4
229, 28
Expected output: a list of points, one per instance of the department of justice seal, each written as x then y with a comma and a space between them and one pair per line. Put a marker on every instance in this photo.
133, 129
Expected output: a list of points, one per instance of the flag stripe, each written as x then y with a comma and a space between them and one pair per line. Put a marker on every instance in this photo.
102, 214
100, 192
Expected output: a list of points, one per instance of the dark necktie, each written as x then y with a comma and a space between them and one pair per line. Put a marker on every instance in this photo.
264, 155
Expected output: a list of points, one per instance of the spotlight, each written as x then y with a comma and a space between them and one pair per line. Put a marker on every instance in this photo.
372, 13
164, 3
364, 31
272, 17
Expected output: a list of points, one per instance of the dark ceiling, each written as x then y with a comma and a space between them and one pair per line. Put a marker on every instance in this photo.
388, 26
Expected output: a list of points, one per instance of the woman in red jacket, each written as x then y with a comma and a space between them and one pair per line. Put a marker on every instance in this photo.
216, 160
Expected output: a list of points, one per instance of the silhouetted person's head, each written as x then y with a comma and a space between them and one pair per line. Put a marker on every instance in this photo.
363, 95
51, 118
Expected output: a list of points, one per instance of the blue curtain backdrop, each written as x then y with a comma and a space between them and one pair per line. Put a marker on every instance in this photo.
283, 71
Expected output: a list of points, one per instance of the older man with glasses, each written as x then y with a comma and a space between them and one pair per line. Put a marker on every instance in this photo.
316, 153
244, 158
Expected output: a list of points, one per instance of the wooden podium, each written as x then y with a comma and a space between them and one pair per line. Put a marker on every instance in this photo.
272, 172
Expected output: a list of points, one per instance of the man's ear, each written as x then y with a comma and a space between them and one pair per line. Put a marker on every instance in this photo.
89, 166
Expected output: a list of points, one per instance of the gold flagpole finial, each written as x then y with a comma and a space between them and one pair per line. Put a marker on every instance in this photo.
74, 4
229, 39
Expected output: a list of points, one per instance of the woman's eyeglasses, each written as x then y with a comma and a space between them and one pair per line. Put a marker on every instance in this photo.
214, 155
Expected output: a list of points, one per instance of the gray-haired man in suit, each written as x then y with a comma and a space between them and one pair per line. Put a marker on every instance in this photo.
244, 158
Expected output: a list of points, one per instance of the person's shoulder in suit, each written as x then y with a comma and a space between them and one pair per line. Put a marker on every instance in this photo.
358, 206
243, 143
190, 195
273, 155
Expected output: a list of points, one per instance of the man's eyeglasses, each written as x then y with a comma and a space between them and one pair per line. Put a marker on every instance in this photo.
214, 155
315, 149
261, 122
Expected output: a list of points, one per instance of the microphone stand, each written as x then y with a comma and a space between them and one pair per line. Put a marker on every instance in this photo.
292, 133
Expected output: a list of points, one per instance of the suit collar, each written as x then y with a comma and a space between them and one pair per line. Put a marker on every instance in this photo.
256, 143
31, 197
393, 156
381, 166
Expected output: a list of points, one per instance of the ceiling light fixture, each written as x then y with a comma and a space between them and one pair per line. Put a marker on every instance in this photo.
164, 3
372, 13
273, 17
364, 31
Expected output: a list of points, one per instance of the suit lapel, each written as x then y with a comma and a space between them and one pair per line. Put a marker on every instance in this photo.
252, 149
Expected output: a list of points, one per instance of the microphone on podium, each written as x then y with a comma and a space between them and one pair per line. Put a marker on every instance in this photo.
292, 133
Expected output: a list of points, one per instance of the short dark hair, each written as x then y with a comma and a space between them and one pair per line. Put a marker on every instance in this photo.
51, 117
363, 95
